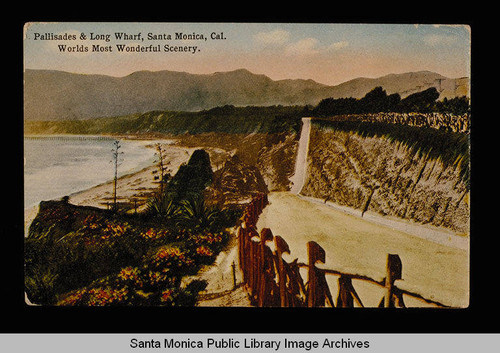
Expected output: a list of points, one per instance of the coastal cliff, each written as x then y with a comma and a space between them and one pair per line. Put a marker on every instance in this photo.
423, 177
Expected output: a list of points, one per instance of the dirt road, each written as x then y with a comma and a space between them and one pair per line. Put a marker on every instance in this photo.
356, 245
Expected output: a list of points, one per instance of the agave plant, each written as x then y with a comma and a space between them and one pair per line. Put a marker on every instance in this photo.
162, 205
195, 211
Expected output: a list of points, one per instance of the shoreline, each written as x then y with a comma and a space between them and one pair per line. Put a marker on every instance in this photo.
96, 195
142, 156
135, 185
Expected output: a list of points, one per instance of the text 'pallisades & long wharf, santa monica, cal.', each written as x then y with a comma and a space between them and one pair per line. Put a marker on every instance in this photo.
137, 47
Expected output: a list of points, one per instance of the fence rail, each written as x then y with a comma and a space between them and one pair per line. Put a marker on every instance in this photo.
271, 281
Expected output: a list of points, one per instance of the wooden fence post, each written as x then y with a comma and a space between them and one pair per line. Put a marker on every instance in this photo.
254, 264
316, 280
281, 247
265, 271
394, 272
243, 250
345, 299
347, 293
233, 266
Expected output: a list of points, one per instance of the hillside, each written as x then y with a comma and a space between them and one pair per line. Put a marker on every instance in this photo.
404, 84
57, 95
412, 173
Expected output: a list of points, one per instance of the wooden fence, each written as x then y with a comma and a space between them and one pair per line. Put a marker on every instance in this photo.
271, 281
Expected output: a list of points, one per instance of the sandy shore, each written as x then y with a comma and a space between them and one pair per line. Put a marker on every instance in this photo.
135, 187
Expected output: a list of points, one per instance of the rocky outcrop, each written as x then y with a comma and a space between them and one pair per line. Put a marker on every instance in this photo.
388, 177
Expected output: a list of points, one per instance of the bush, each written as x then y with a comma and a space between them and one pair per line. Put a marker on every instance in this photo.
377, 101
86, 256
155, 282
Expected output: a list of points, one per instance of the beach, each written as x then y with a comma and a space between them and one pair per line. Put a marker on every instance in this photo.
130, 187
135, 187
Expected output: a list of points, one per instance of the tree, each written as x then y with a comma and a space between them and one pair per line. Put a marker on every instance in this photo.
332, 106
160, 152
377, 101
373, 101
456, 106
116, 156
421, 102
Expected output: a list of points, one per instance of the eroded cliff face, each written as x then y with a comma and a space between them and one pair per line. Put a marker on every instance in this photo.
276, 161
383, 176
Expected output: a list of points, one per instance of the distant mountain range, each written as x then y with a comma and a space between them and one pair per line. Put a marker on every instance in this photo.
58, 95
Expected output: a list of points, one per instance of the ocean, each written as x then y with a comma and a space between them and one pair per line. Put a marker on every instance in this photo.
56, 166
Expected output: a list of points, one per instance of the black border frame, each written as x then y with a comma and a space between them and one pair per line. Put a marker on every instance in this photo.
21, 318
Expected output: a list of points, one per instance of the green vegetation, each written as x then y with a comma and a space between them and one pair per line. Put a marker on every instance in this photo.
377, 101
226, 119
452, 148
182, 201
252, 119
78, 255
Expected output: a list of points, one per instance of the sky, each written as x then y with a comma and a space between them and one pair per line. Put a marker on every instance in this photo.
327, 53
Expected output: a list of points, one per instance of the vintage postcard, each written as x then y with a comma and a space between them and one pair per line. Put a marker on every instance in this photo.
247, 164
